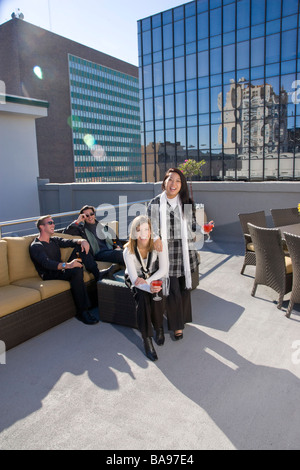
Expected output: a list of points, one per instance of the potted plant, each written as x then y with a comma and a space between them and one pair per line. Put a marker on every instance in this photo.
191, 168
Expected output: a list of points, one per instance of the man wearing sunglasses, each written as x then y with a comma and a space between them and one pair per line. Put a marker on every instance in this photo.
104, 245
46, 256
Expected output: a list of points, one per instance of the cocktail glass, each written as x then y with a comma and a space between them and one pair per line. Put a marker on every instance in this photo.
207, 228
157, 283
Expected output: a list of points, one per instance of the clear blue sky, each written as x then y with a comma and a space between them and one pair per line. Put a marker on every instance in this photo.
108, 26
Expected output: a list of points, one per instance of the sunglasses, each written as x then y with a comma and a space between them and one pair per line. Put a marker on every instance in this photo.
90, 215
50, 223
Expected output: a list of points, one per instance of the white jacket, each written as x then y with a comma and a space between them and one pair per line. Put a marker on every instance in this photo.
134, 268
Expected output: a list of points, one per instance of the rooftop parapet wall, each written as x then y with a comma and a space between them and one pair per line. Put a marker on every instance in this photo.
223, 201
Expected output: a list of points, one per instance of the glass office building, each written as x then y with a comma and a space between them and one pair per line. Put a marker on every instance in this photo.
105, 123
220, 82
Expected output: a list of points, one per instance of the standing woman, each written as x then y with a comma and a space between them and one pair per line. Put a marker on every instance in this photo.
144, 265
173, 219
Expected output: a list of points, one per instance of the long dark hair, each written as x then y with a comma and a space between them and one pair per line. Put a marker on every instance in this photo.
184, 190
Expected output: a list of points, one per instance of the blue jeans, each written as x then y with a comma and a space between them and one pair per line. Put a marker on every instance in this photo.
113, 256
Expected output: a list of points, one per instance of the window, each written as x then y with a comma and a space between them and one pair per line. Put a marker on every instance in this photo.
180, 104
215, 21
243, 55
191, 98
147, 42
203, 96
179, 69
228, 58
159, 107
157, 72
243, 14
168, 71
257, 52
178, 33
203, 64
156, 37
289, 40
273, 9
191, 66
167, 36
202, 25
229, 18
215, 61
169, 106
190, 29
289, 7
257, 11
272, 48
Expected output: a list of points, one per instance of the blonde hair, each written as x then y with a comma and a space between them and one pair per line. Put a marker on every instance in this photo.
136, 223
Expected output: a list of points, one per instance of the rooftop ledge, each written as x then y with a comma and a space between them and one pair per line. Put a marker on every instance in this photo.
20, 105
23, 100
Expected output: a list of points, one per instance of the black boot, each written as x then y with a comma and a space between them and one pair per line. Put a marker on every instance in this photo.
108, 273
87, 318
160, 337
149, 349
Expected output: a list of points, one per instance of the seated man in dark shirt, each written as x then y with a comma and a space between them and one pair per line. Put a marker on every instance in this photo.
102, 246
46, 256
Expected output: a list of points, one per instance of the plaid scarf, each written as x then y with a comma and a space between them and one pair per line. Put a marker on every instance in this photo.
184, 238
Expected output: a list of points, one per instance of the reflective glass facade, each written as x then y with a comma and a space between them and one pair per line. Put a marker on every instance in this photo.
220, 81
105, 123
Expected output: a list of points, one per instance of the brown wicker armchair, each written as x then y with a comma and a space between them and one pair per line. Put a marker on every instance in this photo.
255, 218
287, 216
293, 243
273, 269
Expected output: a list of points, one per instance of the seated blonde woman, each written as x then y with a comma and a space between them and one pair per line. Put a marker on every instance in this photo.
144, 265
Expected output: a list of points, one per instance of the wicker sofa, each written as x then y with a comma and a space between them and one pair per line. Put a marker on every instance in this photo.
28, 305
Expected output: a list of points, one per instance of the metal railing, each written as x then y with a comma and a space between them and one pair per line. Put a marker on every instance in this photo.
118, 214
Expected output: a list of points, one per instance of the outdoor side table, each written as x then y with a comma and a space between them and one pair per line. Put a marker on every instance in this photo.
116, 303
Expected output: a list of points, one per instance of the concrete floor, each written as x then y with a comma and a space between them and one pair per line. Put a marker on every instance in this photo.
231, 383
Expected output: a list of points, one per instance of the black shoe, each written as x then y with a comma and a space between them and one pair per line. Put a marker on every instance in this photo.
160, 337
108, 273
178, 336
149, 349
87, 318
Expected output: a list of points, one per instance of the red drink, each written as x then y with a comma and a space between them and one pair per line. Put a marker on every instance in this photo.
207, 228
157, 283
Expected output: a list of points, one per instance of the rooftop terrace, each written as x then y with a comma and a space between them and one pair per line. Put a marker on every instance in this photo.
232, 383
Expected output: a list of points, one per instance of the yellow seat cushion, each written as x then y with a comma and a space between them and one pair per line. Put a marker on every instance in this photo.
4, 278
13, 298
20, 265
49, 288
45, 288
288, 265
